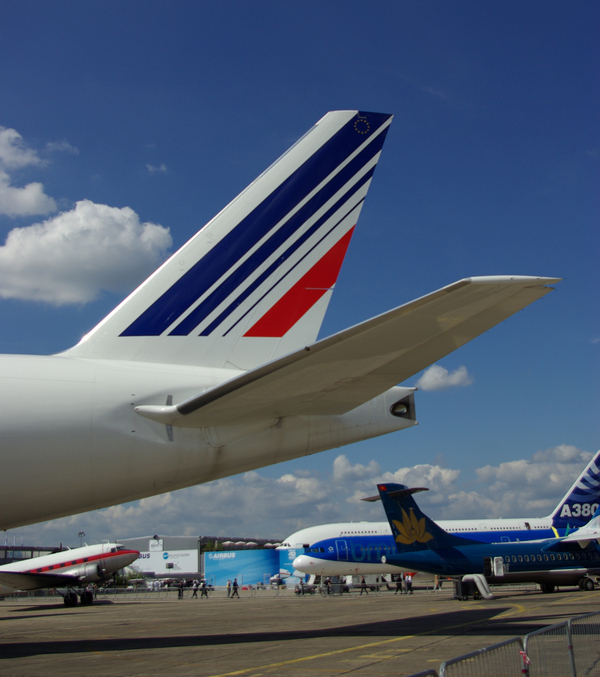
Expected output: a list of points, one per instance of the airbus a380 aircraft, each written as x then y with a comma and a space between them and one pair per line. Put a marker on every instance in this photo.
354, 548
210, 367
67, 569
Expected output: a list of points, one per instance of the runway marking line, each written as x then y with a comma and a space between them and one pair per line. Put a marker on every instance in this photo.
340, 651
311, 658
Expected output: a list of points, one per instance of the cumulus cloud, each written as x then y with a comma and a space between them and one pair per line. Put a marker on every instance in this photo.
344, 471
15, 154
73, 256
438, 378
30, 199
252, 505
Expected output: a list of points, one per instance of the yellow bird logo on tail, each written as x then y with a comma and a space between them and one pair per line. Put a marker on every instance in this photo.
411, 529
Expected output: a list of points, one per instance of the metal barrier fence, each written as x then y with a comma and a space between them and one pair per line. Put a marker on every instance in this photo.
550, 651
568, 649
498, 660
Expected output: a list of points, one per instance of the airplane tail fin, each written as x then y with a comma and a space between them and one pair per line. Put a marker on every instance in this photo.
411, 528
582, 499
255, 282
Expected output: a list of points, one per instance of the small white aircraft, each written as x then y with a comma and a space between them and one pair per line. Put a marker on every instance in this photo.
67, 569
210, 368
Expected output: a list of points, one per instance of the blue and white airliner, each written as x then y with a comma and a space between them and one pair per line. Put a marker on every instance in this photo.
356, 548
419, 544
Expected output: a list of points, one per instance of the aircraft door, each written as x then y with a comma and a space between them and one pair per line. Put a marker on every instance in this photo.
487, 566
498, 566
342, 551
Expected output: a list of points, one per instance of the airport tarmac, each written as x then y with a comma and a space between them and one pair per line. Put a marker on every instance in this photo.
268, 634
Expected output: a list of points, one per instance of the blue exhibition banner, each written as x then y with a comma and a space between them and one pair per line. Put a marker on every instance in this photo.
248, 566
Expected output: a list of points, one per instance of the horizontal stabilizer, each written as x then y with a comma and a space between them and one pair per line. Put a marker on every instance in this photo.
343, 371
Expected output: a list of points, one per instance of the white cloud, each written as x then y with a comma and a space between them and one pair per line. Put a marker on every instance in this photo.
27, 201
14, 152
161, 169
344, 472
62, 146
438, 378
31, 199
73, 256
252, 505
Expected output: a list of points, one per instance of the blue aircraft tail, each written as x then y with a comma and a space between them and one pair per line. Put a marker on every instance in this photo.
411, 528
582, 500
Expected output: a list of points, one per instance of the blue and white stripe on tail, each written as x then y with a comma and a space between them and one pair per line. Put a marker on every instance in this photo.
255, 282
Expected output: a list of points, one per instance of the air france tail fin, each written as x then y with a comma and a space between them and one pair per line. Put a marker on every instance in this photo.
411, 528
255, 282
582, 499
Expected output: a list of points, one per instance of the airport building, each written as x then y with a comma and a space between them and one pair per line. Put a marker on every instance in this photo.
217, 559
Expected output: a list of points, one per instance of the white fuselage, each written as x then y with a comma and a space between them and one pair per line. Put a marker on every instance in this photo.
369, 535
72, 442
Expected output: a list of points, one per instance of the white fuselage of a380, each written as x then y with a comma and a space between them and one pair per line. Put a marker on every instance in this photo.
212, 366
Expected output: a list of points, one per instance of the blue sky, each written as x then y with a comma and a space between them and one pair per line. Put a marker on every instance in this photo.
490, 167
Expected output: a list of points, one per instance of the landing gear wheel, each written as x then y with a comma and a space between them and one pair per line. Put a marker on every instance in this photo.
70, 598
547, 587
87, 597
587, 584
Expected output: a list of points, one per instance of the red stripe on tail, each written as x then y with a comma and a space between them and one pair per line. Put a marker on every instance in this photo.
295, 303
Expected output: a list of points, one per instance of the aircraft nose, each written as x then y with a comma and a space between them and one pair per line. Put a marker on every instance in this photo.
132, 555
304, 564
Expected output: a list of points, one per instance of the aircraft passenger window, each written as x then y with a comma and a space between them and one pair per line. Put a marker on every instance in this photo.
527, 558
514, 559
520, 558
539, 557
552, 557
507, 558
545, 558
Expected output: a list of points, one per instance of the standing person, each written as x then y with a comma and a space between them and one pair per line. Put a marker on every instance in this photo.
228, 587
363, 585
180, 595
195, 589
235, 589
409, 584
404, 585
398, 585
204, 589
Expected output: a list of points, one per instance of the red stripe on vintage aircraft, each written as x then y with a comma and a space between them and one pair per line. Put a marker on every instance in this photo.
75, 562
295, 303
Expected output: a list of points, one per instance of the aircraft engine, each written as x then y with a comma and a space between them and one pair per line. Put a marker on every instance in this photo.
90, 572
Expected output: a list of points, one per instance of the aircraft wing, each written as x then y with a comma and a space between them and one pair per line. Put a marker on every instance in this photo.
345, 370
26, 581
